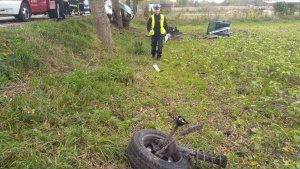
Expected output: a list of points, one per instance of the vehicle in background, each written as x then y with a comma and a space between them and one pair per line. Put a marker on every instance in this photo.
23, 9
126, 11
220, 28
86, 4
79, 6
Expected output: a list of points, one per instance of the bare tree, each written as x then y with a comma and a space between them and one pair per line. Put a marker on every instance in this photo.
135, 4
101, 23
117, 11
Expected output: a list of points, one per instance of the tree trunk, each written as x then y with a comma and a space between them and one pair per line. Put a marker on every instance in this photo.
117, 11
102, 23
135, 4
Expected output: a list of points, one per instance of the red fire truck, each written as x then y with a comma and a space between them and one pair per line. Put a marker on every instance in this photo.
23, 9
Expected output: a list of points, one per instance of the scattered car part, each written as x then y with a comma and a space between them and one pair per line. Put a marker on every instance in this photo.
151, 149
142, 148
219, 27
174, 32
156, 68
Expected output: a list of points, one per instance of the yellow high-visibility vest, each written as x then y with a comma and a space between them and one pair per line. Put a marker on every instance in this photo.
162, 22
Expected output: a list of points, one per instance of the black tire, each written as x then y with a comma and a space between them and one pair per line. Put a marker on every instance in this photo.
52, 13
25, 12
141, 158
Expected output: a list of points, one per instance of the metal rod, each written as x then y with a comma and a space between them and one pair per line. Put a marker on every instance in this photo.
169, 138
191, 129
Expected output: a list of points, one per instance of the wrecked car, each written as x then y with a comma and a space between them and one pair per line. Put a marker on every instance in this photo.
219, 27
126, 11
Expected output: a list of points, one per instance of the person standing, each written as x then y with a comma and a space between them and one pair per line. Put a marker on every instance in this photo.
67, 11
157, 28
60, 9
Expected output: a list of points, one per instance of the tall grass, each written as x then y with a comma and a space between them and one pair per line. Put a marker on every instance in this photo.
82, 105
70, 117
40, 45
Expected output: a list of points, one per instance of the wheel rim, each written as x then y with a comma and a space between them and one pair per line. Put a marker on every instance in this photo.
25, 12
149, 143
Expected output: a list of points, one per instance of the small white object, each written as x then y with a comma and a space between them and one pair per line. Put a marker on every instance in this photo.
149, 149
167, 37
156, 68
170, 160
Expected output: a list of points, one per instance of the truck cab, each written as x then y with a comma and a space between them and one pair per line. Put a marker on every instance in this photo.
23, 9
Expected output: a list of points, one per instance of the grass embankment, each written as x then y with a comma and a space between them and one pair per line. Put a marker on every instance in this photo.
72, 112
80, 105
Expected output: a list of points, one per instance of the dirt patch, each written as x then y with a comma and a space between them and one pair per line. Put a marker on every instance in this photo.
9, 22
176, 36
139, 79
13, 90
10, 25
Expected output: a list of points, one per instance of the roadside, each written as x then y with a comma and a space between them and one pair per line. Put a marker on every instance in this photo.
10, 22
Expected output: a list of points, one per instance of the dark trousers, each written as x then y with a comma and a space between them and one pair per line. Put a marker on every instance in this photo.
67, 8
157, 41
60, 9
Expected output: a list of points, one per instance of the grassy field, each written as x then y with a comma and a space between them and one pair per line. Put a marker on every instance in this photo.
66, 102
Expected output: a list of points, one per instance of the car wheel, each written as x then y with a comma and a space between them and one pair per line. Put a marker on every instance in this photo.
25, 12
141, 156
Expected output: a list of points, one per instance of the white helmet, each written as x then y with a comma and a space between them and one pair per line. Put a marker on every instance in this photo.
156, 6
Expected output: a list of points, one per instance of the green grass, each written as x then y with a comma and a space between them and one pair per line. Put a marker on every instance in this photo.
82, 105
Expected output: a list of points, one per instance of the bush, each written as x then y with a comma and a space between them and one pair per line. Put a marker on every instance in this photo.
283, 8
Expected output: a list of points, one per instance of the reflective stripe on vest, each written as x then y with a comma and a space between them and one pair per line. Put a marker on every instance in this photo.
162, 22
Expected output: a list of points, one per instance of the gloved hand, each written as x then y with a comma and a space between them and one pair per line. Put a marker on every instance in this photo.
167, 37
151, 32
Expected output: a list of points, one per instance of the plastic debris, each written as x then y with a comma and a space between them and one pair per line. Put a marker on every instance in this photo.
156, 68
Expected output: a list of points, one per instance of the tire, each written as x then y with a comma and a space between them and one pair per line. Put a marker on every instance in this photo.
52, 13
140, 157
25, 12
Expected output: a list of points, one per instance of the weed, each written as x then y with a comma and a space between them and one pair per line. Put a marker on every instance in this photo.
138, 47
